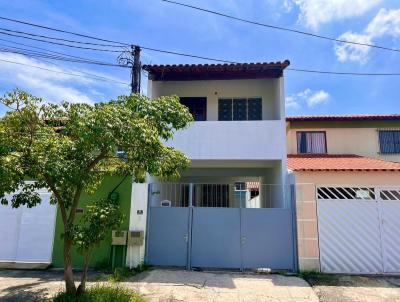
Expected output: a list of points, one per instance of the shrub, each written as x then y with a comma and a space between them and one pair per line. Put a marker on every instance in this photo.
100, 293
120, 274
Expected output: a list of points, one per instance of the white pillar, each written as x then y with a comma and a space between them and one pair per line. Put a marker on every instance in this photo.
137, 222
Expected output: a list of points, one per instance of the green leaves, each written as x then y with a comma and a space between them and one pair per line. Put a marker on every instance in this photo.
69, 147
100, 217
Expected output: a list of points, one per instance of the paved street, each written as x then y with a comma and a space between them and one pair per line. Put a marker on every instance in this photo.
168, 285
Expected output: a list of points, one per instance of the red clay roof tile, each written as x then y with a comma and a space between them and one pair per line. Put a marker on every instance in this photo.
181, 72
355, 117
342, 162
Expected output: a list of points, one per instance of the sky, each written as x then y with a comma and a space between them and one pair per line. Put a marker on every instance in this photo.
156, 24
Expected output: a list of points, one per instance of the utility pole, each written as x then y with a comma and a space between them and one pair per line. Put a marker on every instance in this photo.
136, 69
132, 58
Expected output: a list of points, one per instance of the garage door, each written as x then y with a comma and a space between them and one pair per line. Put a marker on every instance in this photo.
27, 234
359, 229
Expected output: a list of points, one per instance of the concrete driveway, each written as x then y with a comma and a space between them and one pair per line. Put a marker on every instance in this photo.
345, 288
168, 285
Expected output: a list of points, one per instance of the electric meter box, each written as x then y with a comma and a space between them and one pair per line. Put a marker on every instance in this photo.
135, 237
119, 237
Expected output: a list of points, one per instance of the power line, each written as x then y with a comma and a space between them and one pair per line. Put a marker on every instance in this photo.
49, 55
49, 51
209, 58
63, 31
59, 39
59, 43
343, 73
95, 77
278, 27
188, 55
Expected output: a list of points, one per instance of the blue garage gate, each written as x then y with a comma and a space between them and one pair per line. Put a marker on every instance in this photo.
194, 226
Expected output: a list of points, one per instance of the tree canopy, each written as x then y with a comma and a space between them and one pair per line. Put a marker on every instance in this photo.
68, 148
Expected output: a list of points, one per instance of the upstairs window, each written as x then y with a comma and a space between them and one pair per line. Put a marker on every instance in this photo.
197, 107
389, 141
311, 142
240, 109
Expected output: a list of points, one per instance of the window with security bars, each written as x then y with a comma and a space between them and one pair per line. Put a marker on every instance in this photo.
389, 141
311, 142
239, 109
345, 193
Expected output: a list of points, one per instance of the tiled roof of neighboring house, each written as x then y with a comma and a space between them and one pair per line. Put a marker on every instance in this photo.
182, 72
342, 162
357, 117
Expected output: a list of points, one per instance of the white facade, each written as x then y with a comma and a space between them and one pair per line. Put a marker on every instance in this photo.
212, 140
232, 140
222, 153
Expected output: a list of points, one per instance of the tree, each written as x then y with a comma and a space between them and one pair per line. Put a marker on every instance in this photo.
101, 216
69, 148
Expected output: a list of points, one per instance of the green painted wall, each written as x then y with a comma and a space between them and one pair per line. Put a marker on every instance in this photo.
102, 254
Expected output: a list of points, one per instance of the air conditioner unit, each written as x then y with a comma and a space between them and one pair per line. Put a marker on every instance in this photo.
119, 237
135, 238
166, 203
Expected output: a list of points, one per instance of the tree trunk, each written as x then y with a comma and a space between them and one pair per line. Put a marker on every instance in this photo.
82, 286
68, 273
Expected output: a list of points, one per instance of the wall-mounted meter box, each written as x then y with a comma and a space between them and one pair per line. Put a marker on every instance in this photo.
135, 237
119, 237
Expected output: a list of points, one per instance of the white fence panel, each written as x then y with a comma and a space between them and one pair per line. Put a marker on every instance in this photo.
9, 229
36, 233
349, 236
27, 233
391, 235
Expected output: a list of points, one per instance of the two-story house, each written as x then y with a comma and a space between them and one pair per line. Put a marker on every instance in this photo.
233, 196
347, 174
376, 136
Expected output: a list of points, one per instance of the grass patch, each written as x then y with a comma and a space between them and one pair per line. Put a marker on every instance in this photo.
315, 278
121, 273
100, 293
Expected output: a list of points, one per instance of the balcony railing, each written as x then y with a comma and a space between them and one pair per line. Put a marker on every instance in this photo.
261, 140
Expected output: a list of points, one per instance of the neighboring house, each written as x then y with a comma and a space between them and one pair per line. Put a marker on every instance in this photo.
375, 136
230, 208
347, 191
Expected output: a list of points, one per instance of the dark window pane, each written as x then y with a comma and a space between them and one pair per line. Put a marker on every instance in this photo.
239, 109
197, 107
225, 109
254, 109
389, 141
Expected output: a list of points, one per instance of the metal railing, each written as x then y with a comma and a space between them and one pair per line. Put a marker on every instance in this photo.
220, 195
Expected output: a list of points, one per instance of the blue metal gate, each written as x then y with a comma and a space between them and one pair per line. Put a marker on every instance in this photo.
216, 238
219, 237
168, 236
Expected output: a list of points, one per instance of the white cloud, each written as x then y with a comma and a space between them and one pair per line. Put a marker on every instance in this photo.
351, 52
291, 102
308, 97
318, 97
313, 13
385, 23
287, 6
51, 86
